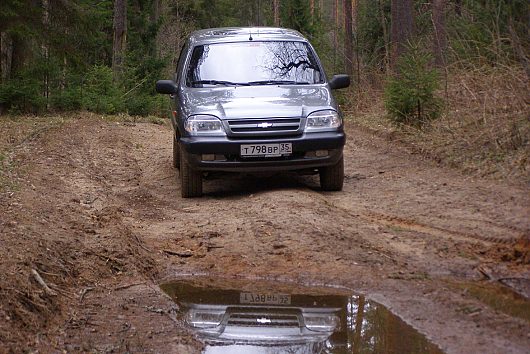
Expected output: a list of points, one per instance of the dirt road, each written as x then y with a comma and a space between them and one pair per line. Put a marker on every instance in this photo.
97, 214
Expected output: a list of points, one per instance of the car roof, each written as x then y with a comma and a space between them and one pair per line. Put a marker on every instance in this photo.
243, 34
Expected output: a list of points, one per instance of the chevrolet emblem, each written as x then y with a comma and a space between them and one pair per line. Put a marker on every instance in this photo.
265, 125
263, 320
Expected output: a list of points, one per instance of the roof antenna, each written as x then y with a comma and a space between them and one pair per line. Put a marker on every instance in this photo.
250, 37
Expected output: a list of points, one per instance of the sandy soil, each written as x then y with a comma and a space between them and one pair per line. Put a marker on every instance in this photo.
96, 213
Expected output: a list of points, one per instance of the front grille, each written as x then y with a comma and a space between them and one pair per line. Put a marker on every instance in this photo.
264, 126
263, 320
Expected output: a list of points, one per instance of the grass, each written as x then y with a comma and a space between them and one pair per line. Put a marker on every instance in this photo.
7, 182
396, 229
484, 130
125, 118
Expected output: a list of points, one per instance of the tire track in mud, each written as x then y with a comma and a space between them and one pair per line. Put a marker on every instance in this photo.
415, 226
494, 224
432, 230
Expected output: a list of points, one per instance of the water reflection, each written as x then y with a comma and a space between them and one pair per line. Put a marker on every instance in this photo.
291, 61
259, 317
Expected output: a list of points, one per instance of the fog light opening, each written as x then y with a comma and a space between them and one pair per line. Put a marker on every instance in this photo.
212, 157
321, 153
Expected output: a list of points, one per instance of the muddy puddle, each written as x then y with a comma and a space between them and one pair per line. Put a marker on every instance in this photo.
236, 316
498, 296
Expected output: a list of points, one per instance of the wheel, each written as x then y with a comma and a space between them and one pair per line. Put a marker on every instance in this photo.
176, 152
190, 180
332, 177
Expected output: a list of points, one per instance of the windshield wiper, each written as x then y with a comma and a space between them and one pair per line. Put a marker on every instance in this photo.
218, 82
277, 82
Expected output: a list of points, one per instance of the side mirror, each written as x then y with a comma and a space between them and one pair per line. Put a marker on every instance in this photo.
339, 81
167, 87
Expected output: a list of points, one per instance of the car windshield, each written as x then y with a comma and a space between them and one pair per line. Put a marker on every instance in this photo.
253, 63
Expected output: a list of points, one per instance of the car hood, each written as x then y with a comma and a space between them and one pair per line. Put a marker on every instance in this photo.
257, 101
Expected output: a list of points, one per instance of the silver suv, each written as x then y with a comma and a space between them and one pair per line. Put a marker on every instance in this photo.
253, 100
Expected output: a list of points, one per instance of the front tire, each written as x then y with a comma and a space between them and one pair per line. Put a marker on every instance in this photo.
176, 152
190, 180
332, 177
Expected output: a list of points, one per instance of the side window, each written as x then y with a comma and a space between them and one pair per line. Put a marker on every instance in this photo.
181, 61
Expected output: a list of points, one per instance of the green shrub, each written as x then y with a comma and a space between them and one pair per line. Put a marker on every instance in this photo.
23, 93
68, 99
100, 93
139, 104
410, 93
161, 106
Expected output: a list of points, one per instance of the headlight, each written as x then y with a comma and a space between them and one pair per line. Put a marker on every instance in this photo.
321, 322
322, 120
204, 318
204, 125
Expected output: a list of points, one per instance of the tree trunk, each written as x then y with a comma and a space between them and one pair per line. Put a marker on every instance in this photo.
385, 37
6, 59
45, 48
338, 21
120, 36
348, 36
154, 17
440, 33
401, 28
276, 10
335, 42
6, 56
356, 54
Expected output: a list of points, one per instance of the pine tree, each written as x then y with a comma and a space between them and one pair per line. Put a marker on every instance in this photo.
296, 14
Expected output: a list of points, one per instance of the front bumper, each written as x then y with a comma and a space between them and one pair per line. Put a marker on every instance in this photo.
228, 159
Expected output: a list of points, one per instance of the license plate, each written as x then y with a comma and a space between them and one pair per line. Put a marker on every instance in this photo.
266, 150
264, 299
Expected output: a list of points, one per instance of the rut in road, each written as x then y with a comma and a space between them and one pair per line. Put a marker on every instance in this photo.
434, 231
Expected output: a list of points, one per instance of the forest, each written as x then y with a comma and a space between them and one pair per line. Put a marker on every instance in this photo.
104, 56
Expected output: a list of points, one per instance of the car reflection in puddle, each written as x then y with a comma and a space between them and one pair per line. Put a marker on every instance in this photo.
235, 316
